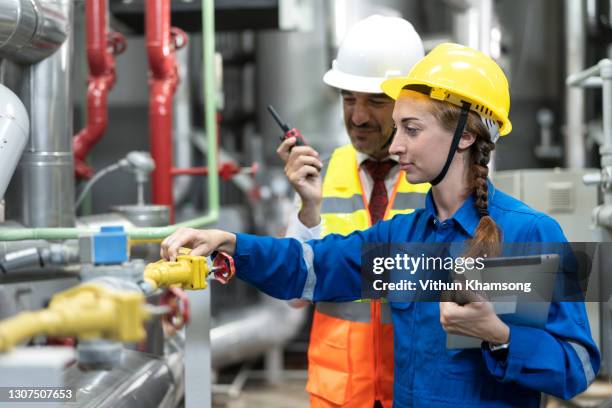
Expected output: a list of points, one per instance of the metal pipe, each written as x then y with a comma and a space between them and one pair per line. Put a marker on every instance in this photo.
583, 77
603, 72
31, 30
485, 23
210, 115
158, 233
605, 149
197, 345
141, 380
473, 23
182, 126
575, 153
14, 133
100, 55
46, 168
605, 66
241, 335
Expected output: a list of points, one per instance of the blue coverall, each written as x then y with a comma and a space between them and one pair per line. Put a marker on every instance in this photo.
561, 360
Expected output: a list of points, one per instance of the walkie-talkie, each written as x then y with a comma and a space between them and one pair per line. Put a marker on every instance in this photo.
289, 131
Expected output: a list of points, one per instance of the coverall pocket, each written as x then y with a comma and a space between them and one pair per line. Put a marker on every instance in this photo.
461, 363
328, 384
328, 359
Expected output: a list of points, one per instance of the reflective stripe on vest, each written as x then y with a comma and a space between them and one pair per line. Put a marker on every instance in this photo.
343, 209
342, 205
409, 201
353, 311
403, 201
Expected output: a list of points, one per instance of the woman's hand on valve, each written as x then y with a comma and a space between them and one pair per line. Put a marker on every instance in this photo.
202, 242
476, 319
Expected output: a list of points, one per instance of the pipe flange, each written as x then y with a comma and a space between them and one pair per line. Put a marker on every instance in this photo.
606, 179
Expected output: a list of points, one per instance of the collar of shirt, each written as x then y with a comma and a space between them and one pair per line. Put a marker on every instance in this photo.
466, 217
361, 157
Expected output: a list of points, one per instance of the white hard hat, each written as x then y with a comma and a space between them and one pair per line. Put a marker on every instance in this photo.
375, 49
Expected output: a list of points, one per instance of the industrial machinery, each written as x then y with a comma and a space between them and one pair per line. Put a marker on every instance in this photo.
121, 121
83, 305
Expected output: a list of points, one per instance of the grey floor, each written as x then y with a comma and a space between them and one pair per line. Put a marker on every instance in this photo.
290, 394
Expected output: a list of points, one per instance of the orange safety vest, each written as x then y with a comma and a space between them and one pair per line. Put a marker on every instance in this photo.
350, 357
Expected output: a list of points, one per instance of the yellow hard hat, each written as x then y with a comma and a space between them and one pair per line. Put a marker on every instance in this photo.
456, 73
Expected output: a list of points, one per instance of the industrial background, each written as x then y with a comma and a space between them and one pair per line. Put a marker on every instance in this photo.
148, 113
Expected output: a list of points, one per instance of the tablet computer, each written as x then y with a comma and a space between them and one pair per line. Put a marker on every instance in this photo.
519, 287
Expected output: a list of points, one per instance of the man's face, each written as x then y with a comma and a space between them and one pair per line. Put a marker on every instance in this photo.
368, 120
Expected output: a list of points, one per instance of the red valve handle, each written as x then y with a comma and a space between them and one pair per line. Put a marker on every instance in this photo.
179, 38
223, 267
117, 43
178, 302
227, 170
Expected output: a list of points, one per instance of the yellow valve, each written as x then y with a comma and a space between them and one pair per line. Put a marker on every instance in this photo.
87, 311
187, 272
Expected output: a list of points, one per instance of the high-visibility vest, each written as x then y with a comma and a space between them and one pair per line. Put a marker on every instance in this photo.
350, 357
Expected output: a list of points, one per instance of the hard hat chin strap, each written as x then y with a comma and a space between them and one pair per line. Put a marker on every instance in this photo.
465, 109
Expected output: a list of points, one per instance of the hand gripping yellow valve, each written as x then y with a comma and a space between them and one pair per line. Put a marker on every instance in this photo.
189, 271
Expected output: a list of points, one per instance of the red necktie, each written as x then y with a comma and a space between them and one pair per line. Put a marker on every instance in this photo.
378, 199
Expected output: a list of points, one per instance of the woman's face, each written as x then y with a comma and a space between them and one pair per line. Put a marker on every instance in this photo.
420, 142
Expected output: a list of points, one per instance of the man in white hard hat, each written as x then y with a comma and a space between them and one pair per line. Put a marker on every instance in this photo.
351, 346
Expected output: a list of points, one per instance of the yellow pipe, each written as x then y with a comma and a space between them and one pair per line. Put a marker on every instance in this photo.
88, 311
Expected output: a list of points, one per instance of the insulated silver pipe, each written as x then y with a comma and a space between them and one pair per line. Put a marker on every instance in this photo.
140, 380
473, 23
14, 132
605, 149
42, 194
31, 30
182, 125
605, 66
575, 153
238, 336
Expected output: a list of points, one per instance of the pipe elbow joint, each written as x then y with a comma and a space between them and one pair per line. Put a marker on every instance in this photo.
14, 134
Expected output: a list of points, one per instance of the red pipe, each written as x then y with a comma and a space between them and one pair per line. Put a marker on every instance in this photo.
163, 79
101, 49
227, 170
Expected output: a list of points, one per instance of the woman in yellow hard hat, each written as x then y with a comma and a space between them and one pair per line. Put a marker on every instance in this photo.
449, 111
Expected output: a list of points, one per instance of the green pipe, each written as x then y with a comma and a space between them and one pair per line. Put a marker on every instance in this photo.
210, 111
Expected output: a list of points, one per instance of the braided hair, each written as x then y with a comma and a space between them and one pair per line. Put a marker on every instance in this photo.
487, 237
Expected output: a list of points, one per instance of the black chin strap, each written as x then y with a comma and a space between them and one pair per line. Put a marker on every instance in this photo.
465, 109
